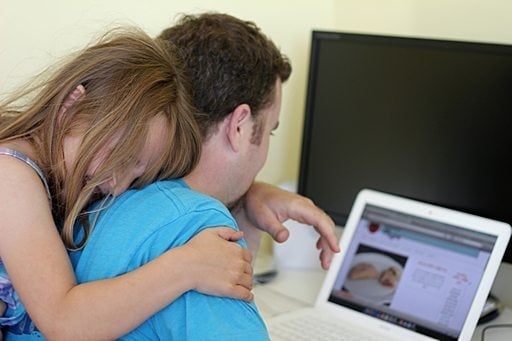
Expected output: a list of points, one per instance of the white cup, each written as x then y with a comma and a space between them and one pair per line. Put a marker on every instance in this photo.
299, 250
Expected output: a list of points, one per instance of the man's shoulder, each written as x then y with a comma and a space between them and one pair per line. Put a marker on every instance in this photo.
187, 198
197, 316
175, 194
141, 224
166, 207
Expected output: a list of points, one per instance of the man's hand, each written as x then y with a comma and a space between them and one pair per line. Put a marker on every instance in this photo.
266, 207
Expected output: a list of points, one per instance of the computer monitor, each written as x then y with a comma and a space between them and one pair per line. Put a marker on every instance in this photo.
421, 118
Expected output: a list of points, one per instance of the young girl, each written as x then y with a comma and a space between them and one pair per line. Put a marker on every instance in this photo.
134, 126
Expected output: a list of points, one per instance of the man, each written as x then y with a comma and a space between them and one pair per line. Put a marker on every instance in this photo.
220, 82
236, 74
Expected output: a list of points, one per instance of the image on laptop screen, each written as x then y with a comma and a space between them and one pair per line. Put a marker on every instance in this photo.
413, 272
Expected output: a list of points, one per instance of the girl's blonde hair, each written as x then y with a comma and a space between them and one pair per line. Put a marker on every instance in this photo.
129, 78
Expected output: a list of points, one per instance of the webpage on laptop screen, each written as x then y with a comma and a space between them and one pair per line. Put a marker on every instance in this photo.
412, 272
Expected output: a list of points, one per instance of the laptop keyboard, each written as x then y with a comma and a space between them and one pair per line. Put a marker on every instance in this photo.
313, 327
271, 302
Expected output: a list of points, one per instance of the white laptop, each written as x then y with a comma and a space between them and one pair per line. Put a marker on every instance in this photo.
406, 271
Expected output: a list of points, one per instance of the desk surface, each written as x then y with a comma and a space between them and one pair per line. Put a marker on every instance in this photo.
293, 288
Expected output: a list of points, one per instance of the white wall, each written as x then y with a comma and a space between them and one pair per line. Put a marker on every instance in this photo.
483, 20
34, 33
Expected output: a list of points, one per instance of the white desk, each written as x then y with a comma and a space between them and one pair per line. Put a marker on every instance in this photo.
294, 288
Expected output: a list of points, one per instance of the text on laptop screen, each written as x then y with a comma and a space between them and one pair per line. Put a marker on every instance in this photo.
413, 272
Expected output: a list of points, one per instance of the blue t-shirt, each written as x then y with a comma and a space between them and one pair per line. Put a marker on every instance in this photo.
142, 224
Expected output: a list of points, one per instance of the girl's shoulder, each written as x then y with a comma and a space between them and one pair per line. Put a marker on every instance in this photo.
13, 165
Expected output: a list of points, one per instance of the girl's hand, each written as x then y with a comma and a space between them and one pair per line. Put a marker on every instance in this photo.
219, 266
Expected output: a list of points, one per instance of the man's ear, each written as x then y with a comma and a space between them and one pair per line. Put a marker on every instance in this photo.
239, 126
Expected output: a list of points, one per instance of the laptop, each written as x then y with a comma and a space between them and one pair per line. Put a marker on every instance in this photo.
407, 270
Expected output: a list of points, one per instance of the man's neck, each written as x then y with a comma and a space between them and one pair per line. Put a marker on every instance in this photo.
201, 184
209, 176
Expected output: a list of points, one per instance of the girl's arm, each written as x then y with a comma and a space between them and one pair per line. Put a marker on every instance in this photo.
40, 270
3, 306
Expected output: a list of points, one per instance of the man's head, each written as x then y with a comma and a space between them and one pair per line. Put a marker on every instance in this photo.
229, 62
236, 74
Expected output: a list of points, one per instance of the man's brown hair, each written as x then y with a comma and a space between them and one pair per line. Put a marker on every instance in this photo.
229, 62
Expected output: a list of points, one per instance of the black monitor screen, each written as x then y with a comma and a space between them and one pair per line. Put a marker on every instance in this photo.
421, 118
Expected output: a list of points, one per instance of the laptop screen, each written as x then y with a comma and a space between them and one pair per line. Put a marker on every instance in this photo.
417, 273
